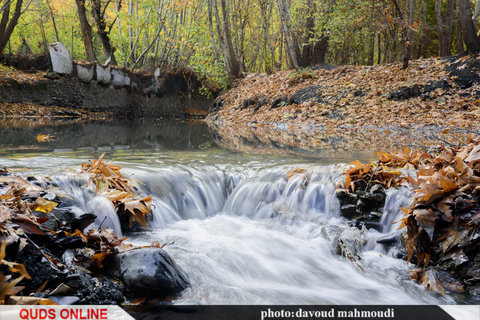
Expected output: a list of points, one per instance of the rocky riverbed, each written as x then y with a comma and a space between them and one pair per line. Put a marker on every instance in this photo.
49, 255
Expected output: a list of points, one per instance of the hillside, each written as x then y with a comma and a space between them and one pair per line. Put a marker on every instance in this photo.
430, 92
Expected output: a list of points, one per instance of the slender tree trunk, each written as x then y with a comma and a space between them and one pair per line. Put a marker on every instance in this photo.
458, 33
53, 20
371, 53
379, 48
99, 17
86, 30
444, 27
476, 14
210, 29
235, 67
424, 27
7, 24
469, 34
290, 39
407, 44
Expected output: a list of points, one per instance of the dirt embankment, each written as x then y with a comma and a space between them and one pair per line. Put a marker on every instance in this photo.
434, 91
39, 93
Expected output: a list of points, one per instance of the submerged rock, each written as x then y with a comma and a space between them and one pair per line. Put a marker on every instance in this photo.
148, 272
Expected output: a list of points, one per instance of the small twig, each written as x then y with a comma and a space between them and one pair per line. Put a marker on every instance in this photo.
40, 250
100, 226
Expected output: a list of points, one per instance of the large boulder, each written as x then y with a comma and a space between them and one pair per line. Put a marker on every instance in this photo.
61, 58
148, 272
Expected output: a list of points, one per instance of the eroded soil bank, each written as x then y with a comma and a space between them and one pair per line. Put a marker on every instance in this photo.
42, 93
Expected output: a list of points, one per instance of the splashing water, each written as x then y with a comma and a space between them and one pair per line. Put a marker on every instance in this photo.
247, 234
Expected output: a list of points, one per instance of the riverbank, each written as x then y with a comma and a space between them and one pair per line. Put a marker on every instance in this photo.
98, 91
440, 92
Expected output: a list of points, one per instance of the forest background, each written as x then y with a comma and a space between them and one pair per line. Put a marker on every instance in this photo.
221, 39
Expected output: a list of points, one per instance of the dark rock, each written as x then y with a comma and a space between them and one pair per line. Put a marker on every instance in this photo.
71, 242
217, 105
404, 93
92, 291
348, 211
389, 239
358, 93
82, 222
279, 102
364, 205
257, 102
148, 272
369, 225
308, 94
52, 75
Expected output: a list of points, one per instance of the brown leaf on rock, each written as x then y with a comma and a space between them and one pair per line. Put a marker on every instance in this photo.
430, 280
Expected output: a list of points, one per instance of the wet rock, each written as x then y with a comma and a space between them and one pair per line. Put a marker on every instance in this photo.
82, 222
308, 94
364, 205
389, 239
369, 225
148, 272
350, 243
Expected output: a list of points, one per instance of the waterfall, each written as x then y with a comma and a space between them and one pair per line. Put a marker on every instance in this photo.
258, 235
181, 192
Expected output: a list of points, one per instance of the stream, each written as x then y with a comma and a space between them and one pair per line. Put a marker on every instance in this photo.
242, 230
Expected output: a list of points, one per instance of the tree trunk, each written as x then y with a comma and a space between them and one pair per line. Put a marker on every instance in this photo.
7, 24
476, 14
99, 17
371, 52
407, 33
458, 33
86, 30
235, 67
289, 37
424, 27
472, 42
444, 27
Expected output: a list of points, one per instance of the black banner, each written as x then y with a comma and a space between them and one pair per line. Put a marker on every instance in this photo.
270, 312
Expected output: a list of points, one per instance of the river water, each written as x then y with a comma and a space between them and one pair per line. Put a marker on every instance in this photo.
243, 231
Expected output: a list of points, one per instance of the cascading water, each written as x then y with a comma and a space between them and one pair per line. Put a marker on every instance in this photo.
253, 235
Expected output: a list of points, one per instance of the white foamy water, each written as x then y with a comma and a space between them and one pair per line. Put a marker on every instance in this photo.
247, 234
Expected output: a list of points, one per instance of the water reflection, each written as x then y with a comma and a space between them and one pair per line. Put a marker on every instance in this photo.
105, 135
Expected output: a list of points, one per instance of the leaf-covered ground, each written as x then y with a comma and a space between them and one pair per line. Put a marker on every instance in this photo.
435, 91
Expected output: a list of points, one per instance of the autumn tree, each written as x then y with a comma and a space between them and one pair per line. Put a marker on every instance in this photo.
86, 30
445, 26
98, 13
472, 42
9, 20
